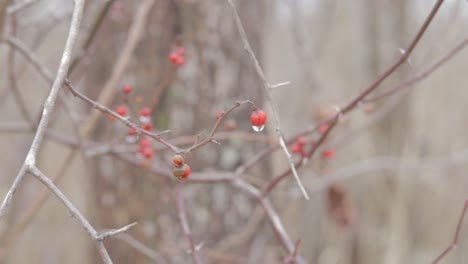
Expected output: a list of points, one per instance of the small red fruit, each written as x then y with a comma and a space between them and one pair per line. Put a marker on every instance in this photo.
126, 89
131, 132
179, 61
144, 143
181, 173
173, 57
296, 148
121, 110
328, 154
258, 118
145, 111
178, 160
323, 128
180, 51
219, 114
147, 126
186, 172
301, 141
147, 153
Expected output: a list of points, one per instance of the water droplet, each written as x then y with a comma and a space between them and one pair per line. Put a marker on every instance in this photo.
258, 128
144, 119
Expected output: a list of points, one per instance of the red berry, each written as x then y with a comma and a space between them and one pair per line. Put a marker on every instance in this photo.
301, 141
132, 131
323, 128
328, 154
121, 110
126, 89
296, 148
219, 114
144, 143
173, 57
147, 126
180, 51
186, 172
147, 153
179, 61
178, 160
145, 111
230, 125
258, 118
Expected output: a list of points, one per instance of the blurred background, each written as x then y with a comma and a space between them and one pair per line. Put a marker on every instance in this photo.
392, 192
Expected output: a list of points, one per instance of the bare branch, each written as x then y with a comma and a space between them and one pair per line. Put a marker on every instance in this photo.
73, 212
267, 88
184, 224
49, 104
455, 237
421, 76
115, 232
142, 248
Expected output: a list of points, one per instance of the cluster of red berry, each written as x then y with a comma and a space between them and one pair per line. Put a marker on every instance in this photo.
145, 149
180, 169
177, 57
297, 147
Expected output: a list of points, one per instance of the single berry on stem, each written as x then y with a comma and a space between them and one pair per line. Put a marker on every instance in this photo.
181, 173
301, 141
179, 61
144, 143
173, 57
131, 131
178, 160
219, 114
121, 110
145, 115
147, 126
186, 172
296, 148
147, 153
328, 154
126, 89
145, 111
258, 119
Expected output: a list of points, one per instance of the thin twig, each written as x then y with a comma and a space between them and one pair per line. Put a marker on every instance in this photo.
73, 211
184, 224
421, 76
267, 88
115, 232
454, 242
210, 137
142, 248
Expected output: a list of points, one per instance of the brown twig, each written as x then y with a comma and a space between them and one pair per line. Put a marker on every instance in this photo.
142, 248
271, 185
408, 83
454, 242
210, 137
404, 57
184, 224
